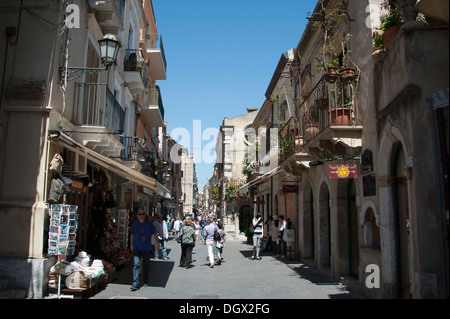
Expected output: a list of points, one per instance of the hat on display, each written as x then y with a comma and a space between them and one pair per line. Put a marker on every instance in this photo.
97, 263
83, 258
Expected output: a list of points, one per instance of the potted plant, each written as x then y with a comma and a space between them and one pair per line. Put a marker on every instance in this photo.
378, 47
286, 146
347, 75
322, 103
311, 130
340, 113
390, 25
328, 19
377, 40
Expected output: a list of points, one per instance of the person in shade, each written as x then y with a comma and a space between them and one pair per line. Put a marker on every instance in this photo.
142, 231
258, 234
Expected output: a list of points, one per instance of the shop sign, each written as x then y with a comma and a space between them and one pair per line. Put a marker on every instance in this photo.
343, 171
290, 188
366, 162
369, 185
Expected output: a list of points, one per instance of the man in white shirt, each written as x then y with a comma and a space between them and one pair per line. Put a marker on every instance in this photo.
177, 227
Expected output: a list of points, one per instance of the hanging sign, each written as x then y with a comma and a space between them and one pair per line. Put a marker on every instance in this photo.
343, 171
290, 188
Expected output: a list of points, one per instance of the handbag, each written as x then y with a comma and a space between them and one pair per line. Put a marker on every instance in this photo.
180, 237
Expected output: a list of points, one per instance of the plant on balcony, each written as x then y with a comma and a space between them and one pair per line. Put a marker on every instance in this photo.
348, 75
377, 40
322, 103
328, 19
390, 24
214, 191
231, 190
249, 167
245, 169
140, 63
285, 145
340, 112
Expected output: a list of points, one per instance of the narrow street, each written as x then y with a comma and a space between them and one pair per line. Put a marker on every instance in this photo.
238, 277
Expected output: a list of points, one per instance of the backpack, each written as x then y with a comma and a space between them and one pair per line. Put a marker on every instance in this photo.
217, 235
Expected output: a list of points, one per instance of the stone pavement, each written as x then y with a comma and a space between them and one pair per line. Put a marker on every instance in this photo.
238, 277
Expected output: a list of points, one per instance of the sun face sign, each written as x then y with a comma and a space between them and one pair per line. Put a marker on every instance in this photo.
343, 171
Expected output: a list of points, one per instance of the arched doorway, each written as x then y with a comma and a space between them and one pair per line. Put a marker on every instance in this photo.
308, 223
325, 227
400, 194
245, 217
353, 231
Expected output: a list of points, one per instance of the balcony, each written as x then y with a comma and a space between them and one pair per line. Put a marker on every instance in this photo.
155, 52
329, 119
135, 71
97, 117
292, 157
109, 14
153, 108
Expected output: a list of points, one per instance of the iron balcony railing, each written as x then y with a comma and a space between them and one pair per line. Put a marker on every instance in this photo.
290, 140
153, 41
95, 105
153, 97
328, 104
134, 60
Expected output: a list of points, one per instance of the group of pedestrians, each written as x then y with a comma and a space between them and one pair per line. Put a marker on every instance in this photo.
147, 235
276, 239
212, 235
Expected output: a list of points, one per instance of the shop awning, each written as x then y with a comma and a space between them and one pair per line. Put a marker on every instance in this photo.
162, 191
109, 164
244, 188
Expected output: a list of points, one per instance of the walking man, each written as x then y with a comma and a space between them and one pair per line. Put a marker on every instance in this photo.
163, 235
142, 231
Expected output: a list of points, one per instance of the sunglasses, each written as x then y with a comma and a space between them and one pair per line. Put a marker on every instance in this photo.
141, 214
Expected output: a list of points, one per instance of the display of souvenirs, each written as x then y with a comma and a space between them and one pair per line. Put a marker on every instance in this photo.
63, 229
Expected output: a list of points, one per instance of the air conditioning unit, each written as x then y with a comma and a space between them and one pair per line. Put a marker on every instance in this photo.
78, 162
80, 165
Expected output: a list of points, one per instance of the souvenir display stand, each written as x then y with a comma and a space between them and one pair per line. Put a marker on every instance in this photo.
62, 237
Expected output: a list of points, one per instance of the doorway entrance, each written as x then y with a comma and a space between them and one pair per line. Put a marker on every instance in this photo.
245, 217
402, 221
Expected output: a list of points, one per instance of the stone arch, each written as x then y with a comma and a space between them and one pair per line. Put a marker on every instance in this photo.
325, 222
309, 232
394, 209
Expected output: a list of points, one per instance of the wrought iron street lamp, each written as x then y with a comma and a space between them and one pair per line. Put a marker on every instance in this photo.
109, 48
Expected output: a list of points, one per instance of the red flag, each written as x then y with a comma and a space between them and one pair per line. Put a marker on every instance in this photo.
343, 170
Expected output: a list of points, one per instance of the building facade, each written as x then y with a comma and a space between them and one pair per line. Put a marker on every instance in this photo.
106, 123
353, 150
235, 149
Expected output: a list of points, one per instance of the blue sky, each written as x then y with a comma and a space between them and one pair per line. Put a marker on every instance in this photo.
221, 56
